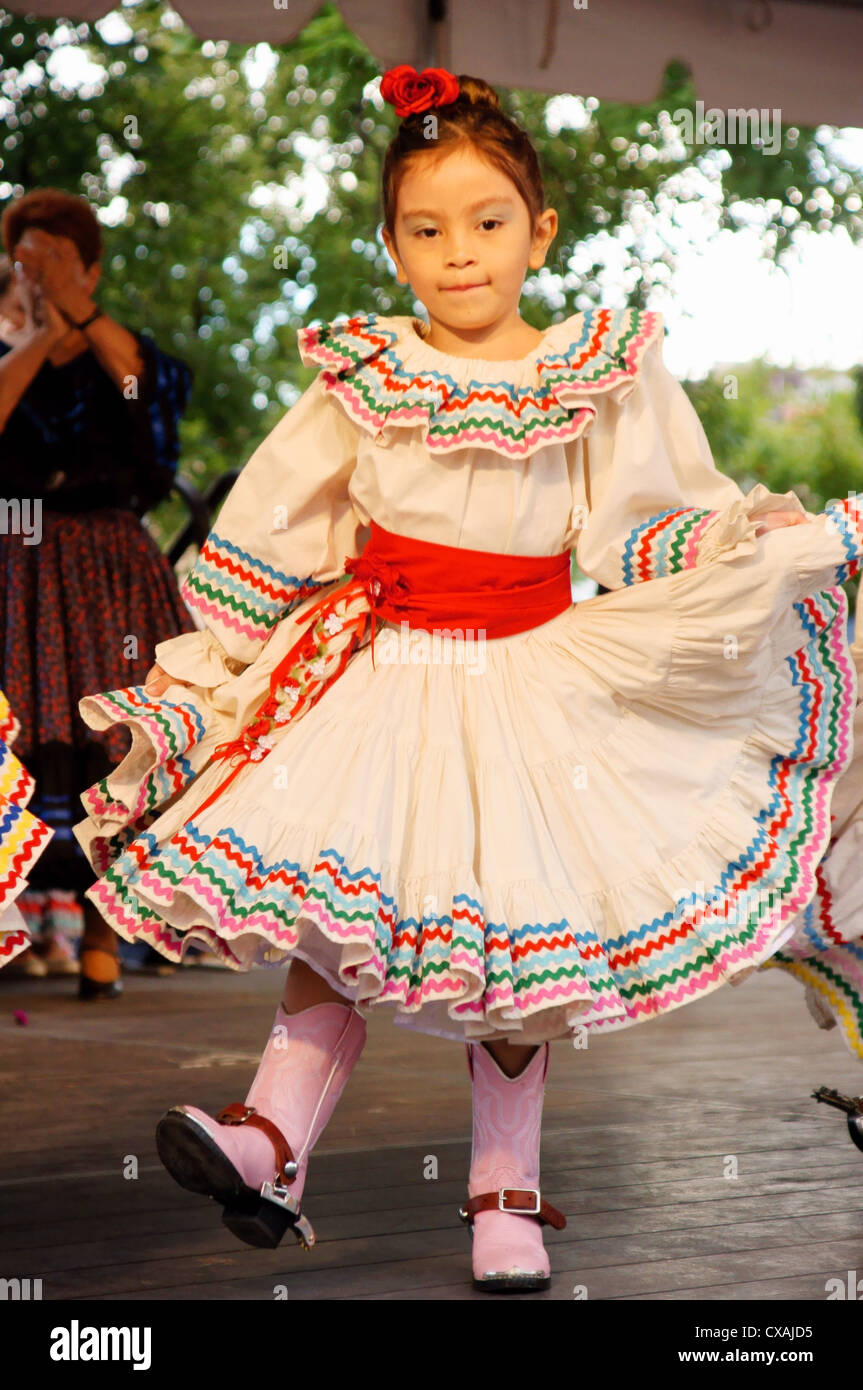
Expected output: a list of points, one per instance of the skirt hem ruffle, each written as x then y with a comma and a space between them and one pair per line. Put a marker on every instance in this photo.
23, 837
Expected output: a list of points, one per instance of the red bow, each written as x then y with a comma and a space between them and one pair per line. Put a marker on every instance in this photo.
381, 580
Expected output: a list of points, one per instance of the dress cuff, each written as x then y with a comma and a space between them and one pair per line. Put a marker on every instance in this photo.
199, 658
683, 537
733, 529
173, 739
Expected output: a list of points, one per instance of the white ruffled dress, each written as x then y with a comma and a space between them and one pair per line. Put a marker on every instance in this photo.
581, 826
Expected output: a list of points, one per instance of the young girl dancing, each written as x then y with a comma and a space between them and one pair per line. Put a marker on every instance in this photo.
397, 755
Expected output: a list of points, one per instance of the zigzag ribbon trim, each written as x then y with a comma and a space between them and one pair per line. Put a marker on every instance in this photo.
23, 836
239, 591
665, 544
362, 366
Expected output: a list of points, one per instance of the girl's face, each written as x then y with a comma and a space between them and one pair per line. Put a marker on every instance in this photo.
463, 240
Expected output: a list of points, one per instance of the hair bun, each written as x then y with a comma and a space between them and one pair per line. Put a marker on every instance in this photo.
477, 91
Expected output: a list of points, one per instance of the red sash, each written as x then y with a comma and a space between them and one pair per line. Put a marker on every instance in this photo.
400, 579
435, 586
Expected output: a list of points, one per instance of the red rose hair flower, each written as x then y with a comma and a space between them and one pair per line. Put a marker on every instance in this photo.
409, 91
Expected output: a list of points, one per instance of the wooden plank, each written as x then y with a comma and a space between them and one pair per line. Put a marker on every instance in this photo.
405, 1279
337, 1238
196, 1228
85, 1265
694, 1198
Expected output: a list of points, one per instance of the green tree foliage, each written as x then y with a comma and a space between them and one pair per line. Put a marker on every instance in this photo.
782, 429
785, 430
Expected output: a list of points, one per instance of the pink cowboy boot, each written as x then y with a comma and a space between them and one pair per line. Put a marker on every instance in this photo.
505, 1211
253, 1157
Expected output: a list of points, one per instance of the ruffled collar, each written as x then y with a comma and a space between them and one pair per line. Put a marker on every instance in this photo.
387, 377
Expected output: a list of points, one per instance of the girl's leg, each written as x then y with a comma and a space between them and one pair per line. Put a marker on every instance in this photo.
100, 961
63, 932
512, 1058
306, 1063
305, 987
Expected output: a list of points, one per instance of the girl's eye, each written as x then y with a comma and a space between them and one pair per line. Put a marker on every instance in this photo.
495, 221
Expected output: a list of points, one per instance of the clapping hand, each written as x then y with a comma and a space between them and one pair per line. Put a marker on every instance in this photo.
36, 316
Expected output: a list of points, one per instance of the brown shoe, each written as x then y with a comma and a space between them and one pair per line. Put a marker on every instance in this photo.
90, 988
25, 964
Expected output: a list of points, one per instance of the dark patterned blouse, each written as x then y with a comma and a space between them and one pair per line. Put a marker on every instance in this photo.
74, 439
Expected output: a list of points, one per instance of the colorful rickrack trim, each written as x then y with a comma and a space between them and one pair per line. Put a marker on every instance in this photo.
362, 364
665, 544
175, 731
10, 728
241, 592
23, 836
846, 518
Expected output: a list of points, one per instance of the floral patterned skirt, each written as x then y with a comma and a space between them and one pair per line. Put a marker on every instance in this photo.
80, 612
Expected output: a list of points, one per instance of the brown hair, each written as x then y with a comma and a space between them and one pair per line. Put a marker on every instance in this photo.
474, 118
61, 214
5, 274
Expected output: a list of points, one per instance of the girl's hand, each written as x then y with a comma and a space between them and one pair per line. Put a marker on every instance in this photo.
157, 681
771, 521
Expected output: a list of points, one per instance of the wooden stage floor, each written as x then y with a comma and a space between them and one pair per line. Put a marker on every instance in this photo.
637, 1134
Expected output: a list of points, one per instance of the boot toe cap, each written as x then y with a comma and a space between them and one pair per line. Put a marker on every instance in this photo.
506, 1245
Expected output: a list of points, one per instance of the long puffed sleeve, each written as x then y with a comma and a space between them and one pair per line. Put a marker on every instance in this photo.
658, 503
284, 531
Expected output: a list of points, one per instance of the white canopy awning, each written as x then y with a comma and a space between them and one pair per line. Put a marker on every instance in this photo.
801, 56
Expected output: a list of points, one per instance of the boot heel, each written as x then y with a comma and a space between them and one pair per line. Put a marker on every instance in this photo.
257, 1223
262, 1223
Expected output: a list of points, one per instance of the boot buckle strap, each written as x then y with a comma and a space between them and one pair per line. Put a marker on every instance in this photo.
507, 1199
503, 1202
239, 1114
235, 1113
